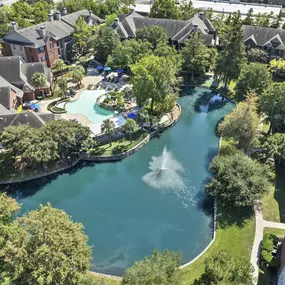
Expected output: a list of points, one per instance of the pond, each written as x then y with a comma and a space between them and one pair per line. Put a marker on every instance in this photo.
153, 199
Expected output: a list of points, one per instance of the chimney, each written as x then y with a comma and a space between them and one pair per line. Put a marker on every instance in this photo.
201, 15
64, 11
195, 28
50, 16
43, 31
132, 8
58, 15
14, 26
116, 23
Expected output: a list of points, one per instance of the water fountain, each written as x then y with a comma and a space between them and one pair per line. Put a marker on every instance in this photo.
165, 172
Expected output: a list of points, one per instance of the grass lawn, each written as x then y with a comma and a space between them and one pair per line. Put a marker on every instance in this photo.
270, 208
120, 145
233, 234
277, 232
273, 204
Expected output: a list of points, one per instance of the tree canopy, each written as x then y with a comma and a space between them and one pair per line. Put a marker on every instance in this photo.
242, 123
232, 56
274, 146
254, 77
195, 55
153, 35
48, 248
165, 9
152, 80
238, 180
105, 42
159, 269
222, 268
272, 103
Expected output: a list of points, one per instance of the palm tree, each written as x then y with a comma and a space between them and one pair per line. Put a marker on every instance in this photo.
130, 127
39, 81
62, 84
78, 74
60, 66
108, 127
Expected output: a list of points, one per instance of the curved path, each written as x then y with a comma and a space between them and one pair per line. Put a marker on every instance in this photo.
260, 224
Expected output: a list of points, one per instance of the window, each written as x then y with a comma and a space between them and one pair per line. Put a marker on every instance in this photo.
52, 54
41, 49
21, 48
51, 45
14, 47
43, 58
32, 59
30, 50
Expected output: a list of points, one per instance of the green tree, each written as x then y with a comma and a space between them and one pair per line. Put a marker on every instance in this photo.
130, 127
254, 77
159, 269
276, 21
60, 66
49, 248
242, 123
153, 35
195, 55
257, 55
232, 56
127, 53
272, 103
165, 9
238, 180
108, 127
274, 146
21, 13
39, 81
249, 19
222, 268
81, 34
62, 85
262, 20
78, 75
154, 78
187, 11
276, 66
68, 135
40, 11
105, 42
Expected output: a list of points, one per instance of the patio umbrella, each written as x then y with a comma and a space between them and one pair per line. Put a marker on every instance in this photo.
132, 116
119, 70
100, 67
35, 106
107, 68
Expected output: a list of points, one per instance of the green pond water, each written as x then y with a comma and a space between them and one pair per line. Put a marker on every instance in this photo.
126, 218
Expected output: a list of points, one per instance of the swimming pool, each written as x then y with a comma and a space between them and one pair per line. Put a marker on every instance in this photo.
86, 105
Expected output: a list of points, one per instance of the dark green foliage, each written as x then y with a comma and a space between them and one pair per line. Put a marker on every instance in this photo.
225, 269
257, 55
159, 269
153, 35
268, 243
254, 77
165, 9
31, 147
238, 180
106, 40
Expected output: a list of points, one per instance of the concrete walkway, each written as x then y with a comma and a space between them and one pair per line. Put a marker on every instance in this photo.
260, 224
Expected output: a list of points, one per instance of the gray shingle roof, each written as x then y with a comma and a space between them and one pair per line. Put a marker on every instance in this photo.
20, 119
4, 111
71, 18
262, 36
56, 29
16, 72
177, 30
5, 91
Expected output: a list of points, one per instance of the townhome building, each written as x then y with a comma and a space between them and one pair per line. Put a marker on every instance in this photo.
48, 41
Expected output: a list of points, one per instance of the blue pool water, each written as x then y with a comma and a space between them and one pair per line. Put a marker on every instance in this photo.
86, 105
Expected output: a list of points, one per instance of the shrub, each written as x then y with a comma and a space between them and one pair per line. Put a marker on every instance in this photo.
266, 256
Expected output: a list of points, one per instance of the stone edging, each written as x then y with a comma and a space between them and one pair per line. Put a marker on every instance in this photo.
40, 175
116, 157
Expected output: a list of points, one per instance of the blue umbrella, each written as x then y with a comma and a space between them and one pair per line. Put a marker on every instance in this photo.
119, 70
100, 67
35, 106
132, 116
107, 68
